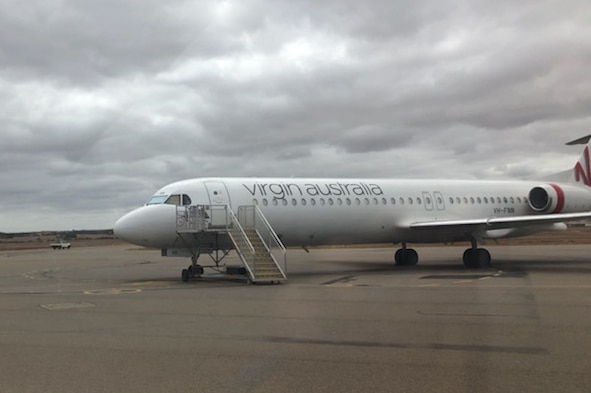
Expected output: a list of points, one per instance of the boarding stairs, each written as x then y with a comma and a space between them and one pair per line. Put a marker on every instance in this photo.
249, 233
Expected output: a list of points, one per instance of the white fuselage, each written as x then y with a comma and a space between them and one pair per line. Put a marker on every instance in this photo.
350, 211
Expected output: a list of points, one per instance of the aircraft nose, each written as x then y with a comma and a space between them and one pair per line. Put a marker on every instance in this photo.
125, 228
149, 226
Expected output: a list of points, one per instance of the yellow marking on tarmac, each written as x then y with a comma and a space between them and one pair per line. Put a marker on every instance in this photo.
153, 283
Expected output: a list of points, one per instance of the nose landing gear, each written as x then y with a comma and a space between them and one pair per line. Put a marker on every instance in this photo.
194, 270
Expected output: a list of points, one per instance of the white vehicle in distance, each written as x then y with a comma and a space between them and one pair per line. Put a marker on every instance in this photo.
61, 245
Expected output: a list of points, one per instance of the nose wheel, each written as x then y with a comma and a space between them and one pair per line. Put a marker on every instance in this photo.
194, 270
185, 275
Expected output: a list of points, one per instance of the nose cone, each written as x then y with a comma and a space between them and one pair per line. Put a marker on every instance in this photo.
148, 226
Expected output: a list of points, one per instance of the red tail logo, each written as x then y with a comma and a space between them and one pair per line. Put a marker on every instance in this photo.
584, 174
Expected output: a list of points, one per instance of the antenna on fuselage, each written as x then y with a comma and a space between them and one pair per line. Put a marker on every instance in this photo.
581, 141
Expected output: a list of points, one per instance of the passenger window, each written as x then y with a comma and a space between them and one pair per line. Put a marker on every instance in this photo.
275, 203
451, 201
375, 201
313, 202
255, 202
294, 202
330, 201
393, 201
303, 202
384, 201
339, 201
357, 201
265, 202
322, 202
410, 201
366, 201
348, 201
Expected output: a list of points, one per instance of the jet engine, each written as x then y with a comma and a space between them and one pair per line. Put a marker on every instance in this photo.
552, 198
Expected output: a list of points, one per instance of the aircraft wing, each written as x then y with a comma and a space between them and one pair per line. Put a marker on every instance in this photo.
502, 222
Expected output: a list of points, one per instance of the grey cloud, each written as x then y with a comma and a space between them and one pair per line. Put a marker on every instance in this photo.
101, 103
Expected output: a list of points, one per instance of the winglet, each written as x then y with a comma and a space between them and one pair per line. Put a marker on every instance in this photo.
581, 141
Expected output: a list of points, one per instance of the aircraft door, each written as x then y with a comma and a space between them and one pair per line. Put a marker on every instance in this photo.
428, 201
218, 196
439, 201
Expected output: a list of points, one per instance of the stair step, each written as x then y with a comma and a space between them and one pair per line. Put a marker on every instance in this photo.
266, 269
254, 252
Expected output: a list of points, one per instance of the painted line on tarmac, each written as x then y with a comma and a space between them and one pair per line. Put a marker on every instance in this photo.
67, 306
153, 283
112, 291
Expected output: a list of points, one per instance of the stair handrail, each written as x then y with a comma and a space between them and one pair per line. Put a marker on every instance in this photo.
271, 241
272, 232
234, 225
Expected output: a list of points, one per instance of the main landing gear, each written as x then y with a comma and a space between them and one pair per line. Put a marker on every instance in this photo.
406, 256
474, 258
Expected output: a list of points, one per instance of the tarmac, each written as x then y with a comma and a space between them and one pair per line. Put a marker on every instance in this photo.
119, 319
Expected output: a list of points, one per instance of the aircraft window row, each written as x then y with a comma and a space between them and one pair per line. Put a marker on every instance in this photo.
487, 200
324, 202
393, 201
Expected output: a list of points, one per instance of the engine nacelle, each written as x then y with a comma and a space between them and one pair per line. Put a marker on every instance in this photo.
552, 198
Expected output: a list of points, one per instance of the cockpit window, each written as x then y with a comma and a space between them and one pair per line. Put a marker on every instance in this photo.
174, 200
170, 200
157, 200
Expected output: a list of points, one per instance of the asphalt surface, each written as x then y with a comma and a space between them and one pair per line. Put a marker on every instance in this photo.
119, 319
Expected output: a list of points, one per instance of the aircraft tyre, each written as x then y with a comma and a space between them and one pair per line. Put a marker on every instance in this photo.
476, 258
185, 275
406, 257
196, 270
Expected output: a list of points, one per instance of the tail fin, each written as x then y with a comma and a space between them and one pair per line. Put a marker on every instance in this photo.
582, 171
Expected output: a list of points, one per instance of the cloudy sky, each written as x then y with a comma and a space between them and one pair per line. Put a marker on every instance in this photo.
103, 102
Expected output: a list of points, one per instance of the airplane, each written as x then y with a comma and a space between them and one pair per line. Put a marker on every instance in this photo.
207, 215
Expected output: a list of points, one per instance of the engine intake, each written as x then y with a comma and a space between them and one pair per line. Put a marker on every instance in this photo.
552, 198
